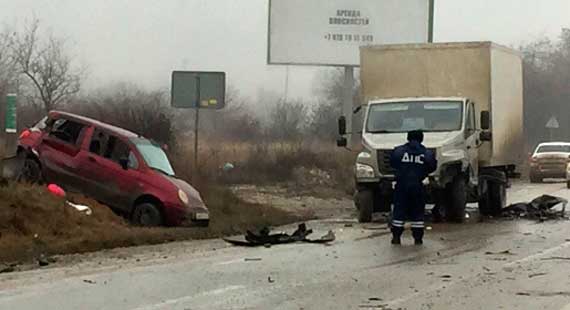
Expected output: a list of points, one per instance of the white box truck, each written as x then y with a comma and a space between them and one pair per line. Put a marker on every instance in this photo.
468, 100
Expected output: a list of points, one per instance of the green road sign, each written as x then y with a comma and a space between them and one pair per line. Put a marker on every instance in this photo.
204, 90
11, 113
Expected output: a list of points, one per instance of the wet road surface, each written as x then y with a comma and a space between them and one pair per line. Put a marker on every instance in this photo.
498, 264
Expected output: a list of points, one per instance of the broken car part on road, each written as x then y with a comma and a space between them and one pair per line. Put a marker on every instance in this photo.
540, 208
263, 237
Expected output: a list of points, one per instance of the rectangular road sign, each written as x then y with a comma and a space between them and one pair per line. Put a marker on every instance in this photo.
203, 90
10, 116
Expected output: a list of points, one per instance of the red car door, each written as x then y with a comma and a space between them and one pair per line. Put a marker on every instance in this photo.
101, 168
58, 153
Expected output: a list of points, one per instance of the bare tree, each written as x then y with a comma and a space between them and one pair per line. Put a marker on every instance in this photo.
329, 89
547, 87
7, 64
47, 65
287, 120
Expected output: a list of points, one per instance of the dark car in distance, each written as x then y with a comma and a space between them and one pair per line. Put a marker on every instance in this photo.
119, 168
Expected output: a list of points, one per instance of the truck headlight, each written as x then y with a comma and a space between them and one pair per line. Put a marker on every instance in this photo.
364, 155
364, 171
183, 197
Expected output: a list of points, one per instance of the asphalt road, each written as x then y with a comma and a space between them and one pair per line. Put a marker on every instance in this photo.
492, 265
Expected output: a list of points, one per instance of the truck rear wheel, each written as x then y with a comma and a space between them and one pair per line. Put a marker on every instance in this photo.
456, 200
494, 196
497, 197
365, 204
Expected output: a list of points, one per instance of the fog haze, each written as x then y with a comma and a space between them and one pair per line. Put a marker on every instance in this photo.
143, 41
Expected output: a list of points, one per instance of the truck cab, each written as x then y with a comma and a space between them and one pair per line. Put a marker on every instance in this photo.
450, 131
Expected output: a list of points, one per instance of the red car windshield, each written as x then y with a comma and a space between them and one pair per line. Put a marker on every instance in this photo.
153, 155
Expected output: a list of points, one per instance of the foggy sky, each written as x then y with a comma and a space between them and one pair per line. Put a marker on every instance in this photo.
142, 41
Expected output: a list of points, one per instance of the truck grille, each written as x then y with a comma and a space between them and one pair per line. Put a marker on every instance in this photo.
384, 161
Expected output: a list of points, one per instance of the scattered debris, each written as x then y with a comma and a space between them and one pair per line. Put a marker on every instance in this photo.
45, 261
270, 280
556, 258
80, 208
56, 190
264, 238
429, 228
486, 269
540, 208
89, 281
505, 252
7, 269
544, 294
537, 274
257, 259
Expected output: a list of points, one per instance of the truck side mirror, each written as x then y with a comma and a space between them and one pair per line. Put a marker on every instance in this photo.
341, 142
342, 125
485, 120
486, 136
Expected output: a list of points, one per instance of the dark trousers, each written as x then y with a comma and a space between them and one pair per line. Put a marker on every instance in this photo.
409, 206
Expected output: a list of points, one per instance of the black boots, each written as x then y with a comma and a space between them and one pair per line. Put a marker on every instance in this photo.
396, 234
418, 234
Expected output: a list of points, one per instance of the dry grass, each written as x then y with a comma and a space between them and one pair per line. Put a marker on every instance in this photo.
266, 163
34, 223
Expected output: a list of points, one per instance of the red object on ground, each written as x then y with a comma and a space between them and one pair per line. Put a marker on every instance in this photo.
56, 190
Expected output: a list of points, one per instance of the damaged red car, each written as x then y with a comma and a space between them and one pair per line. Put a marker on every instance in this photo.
121, 169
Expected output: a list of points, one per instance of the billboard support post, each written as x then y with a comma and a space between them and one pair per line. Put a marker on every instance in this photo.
431, 20
348, 102
196, 127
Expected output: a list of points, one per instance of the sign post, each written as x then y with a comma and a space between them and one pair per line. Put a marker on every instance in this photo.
552, 125
198, 90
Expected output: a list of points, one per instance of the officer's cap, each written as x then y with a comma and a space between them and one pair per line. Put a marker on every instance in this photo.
416, 135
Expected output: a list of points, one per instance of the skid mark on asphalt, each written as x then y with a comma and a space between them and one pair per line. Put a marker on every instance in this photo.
448, 285
167, 304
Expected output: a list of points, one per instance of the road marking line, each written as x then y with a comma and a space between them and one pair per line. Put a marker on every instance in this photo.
234, 261
174, 301
447, 285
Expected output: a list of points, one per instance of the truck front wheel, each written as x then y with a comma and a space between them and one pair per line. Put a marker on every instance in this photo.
365, 204
456, 200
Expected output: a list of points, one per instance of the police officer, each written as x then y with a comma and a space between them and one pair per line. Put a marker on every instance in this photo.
413, 163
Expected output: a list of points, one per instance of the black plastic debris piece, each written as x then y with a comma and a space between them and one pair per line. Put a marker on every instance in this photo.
265, 238
540, 208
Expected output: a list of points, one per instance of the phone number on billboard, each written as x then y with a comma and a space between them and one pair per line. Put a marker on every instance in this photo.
339, 37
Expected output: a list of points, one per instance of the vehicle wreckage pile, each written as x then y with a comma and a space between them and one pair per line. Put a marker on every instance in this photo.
265, 238
541, 208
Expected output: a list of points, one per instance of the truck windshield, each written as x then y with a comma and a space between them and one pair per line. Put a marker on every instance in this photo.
153, 155
429, 116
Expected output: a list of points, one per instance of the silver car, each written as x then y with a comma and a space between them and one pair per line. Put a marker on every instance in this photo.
549, 160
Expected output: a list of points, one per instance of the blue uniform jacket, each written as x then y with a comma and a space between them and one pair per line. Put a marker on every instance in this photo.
413, 163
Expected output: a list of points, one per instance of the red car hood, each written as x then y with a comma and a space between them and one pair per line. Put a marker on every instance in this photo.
195, 200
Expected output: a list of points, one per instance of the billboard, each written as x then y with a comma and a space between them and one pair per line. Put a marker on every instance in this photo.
329, 32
